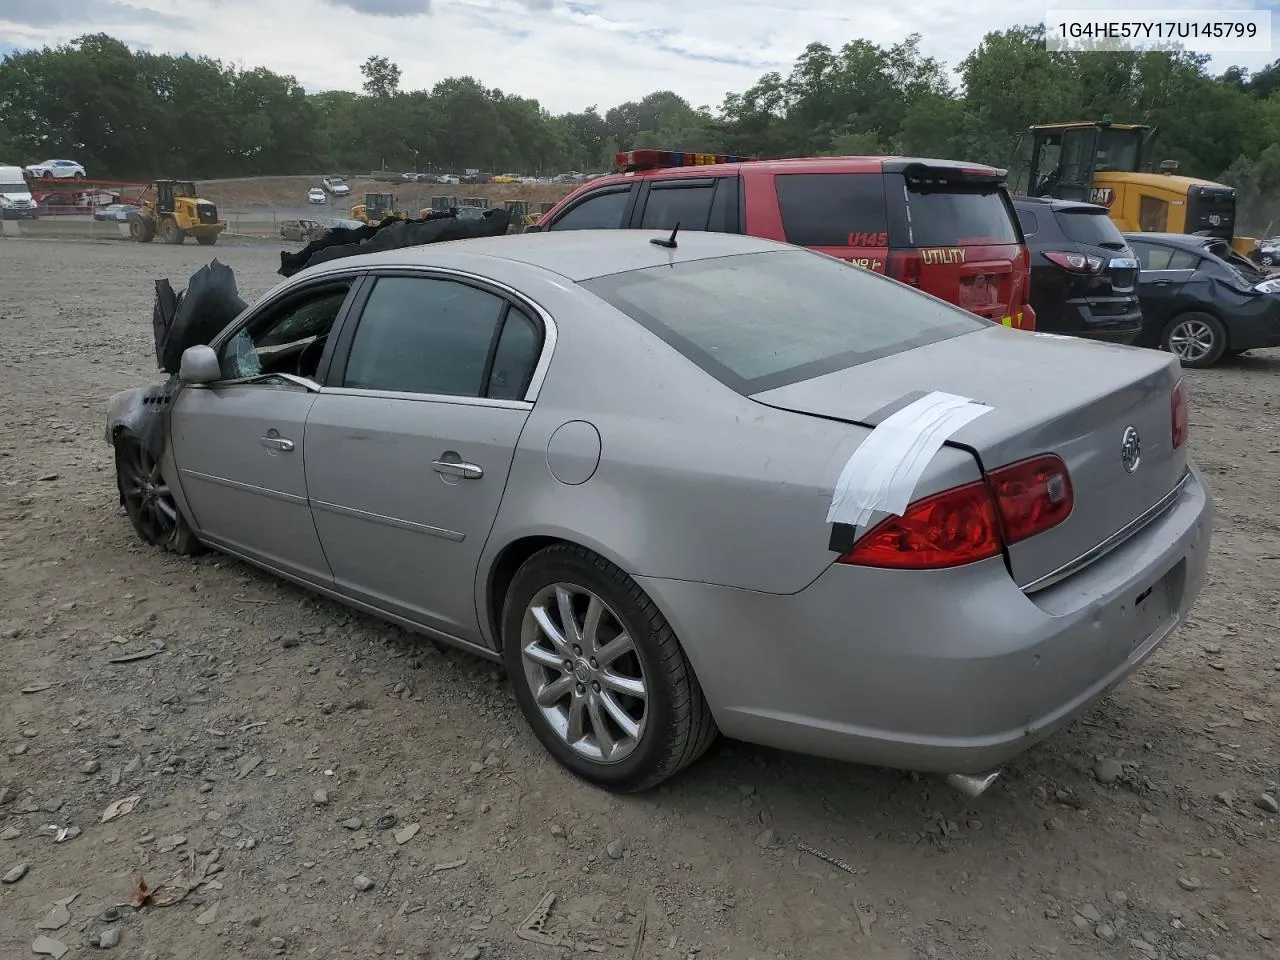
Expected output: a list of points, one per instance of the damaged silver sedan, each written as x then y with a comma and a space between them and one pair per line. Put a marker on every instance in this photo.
682, 485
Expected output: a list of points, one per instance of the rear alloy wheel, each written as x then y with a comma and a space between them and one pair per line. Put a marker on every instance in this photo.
1197, 339
148, 500
1267, 260
599, 673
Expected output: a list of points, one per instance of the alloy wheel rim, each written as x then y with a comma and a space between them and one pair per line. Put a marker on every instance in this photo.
587, 679
1191, 340
147, 496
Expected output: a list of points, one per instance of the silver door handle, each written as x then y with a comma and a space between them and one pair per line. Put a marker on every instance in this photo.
468, 471
280, 443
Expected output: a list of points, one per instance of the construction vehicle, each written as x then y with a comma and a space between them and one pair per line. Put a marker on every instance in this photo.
1100, 162
376, 208
173, 209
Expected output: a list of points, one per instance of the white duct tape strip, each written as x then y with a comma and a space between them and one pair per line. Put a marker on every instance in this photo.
881, 475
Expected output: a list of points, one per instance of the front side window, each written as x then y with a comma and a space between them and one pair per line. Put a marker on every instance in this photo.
600, 211
442, 338
287, 339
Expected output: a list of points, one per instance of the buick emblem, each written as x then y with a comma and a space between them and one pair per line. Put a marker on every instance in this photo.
1130, 450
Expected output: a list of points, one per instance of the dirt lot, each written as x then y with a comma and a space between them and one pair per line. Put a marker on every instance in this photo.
271, 734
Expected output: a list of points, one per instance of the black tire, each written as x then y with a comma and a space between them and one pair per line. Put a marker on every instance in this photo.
1267, 260
143, 492
48, 175
171, 233
207, 239
1198, 339
142, 229
676, 725
78, 176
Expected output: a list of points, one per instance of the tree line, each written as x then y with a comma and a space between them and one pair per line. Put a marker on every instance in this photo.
135, 114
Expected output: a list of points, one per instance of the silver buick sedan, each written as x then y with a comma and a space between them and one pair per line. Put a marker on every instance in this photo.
695, 484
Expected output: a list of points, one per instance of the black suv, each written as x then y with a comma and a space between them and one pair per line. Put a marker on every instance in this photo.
1083, 274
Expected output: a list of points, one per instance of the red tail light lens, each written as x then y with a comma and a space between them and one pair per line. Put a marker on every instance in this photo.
1179, 415
1074, 262
1032, 496
905, 267
949, 529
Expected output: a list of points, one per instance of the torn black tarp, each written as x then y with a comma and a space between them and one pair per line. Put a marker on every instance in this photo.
162, 314
210, 302
394, 234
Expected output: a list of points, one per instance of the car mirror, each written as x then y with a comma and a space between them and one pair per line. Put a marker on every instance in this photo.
199, 365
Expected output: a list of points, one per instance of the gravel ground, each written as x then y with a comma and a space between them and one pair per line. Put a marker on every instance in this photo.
309, 782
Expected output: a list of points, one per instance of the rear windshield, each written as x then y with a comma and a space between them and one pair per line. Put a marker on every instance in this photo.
958, 216
1091, 227
758, 321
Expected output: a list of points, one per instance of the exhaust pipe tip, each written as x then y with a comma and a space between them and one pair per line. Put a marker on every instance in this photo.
973, 785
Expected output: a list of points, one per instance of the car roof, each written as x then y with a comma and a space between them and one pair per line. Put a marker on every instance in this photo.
573, 254
1056, 205
872, 164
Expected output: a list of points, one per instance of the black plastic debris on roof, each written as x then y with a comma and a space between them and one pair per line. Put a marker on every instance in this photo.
394, 234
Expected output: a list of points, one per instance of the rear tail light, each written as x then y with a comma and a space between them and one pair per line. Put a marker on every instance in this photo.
1178, 415
1074, 262
971, 522
905, 266
1032, 496
949, 529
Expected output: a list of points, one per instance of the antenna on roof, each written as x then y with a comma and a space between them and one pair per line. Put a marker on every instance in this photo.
670, 242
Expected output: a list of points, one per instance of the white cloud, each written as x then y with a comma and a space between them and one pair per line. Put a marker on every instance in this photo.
568, 54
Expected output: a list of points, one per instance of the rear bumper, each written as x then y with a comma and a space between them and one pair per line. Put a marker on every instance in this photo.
1254, 333
946, 671
1117, 320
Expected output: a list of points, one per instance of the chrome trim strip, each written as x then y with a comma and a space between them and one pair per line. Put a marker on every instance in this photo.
427, 397
245, 487
1113, 541
342, 511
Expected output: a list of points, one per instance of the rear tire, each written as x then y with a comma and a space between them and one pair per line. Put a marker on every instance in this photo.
147, 500
1267, 260
1197, 339
617, 641
171, 232
142, 229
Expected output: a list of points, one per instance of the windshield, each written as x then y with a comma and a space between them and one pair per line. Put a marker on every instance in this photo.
1093, 227
13, 188
956, 216
758, 321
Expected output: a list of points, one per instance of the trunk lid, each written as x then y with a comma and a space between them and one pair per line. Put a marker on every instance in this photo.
1069, 397
953, 233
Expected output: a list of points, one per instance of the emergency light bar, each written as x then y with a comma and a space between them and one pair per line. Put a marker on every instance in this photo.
647, 159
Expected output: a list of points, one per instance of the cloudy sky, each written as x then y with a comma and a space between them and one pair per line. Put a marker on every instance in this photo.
568, 54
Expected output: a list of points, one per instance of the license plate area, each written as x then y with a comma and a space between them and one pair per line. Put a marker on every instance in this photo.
1147, 611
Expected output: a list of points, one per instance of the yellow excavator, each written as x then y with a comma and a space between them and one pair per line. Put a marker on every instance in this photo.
1097, 161
173, 209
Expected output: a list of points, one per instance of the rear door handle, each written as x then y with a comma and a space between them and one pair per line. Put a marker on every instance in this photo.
1162, 283
456, 468
283, 444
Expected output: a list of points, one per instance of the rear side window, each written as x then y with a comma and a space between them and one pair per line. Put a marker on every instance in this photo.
950, 215
675, 202
1092, 228
1163, 258
833, 209
600, 211
1030, 225
757, 321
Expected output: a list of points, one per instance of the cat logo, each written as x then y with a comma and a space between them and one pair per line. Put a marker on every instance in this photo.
1102, 196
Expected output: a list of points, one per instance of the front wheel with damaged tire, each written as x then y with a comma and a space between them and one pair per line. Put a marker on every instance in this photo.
148, 501
599, 674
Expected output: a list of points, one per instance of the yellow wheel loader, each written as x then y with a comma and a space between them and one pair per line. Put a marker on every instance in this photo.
173, 210
1100, 162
